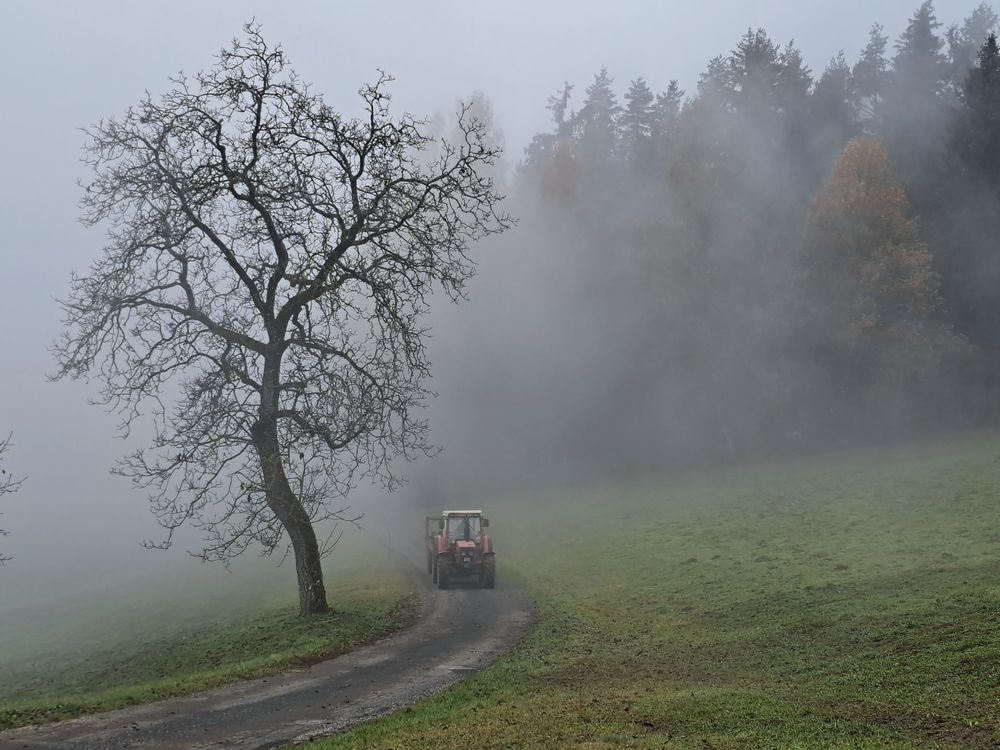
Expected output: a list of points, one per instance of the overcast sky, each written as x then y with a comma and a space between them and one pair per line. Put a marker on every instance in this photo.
68, 64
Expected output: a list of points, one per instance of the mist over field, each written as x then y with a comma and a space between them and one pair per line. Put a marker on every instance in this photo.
669, 296
785, 256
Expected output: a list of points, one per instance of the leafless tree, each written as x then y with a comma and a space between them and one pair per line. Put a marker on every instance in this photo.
8, 484
268, 261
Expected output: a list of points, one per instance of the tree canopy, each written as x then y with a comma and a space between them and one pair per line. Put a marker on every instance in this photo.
268, 262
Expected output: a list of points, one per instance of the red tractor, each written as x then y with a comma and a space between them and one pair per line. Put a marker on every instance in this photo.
460, 546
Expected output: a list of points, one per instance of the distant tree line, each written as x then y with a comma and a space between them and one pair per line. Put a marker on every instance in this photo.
781, 258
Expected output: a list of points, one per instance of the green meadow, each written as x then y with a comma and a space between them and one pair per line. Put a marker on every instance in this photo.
844, 601
137, 640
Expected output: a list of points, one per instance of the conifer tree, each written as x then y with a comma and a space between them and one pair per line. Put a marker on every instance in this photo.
638, 121
914, 110
750, 75
599, 120
794, 81
792, 87
965, 41
666, 111
668, 103
562, 116
868, 78
976, 136
972, 220
832, 113
544, 146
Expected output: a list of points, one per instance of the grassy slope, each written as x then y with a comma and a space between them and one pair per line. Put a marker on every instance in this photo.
136, 645
843, 602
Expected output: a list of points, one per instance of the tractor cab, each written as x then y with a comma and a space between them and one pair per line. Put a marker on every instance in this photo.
463, 526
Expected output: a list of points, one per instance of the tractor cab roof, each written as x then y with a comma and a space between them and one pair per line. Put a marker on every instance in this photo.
461, 513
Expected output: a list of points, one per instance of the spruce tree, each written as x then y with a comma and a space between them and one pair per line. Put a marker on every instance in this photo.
965, 41
638, 121
794, 81
833, 114
868, 78
599, 120
976, 135
666, 111
544, 146
919, 74
668, 103
915, 110
751, 74
792, 86
971, 221
558, 105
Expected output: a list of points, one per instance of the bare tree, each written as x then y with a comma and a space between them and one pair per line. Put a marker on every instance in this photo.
268, 261
8, 485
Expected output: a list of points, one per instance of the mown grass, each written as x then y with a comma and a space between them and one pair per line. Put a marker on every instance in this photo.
849, 601
132, 645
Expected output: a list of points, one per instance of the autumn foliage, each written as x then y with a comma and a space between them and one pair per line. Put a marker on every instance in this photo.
860, 224
871, 290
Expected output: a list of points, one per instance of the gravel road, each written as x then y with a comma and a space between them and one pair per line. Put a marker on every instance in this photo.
459, 632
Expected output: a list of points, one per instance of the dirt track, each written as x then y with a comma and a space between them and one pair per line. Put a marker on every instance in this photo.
459, 632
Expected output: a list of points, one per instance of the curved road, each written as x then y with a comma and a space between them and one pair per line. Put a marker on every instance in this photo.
460, 631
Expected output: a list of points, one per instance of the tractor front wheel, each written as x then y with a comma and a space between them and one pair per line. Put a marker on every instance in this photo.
443, 568
489, 572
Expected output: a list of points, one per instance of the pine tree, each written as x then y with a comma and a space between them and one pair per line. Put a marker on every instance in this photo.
976, 136
972, 219
793, 84
558, 105
919, 59
832, 113
915, 111
919, 69
668, 103
868, 78
544, 146
638, 121
965, 41
794, 81
751, 74
666, 110
599, 120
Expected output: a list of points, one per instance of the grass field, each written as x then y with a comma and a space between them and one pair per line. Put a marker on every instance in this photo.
848, 601
145, 639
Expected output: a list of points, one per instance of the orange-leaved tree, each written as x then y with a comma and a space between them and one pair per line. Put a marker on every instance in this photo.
871, 303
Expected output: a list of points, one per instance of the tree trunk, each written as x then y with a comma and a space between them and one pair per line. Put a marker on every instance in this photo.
286, 506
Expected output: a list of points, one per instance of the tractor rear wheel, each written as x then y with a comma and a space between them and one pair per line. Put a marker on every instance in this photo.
443, 567
434, 569
489, 572
430, 562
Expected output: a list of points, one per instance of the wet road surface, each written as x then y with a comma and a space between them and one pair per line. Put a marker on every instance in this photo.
460, 631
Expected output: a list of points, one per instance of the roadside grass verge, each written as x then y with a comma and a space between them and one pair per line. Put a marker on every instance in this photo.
136, 644
845, 601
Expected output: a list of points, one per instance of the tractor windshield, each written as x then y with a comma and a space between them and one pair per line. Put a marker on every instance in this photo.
463, 527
